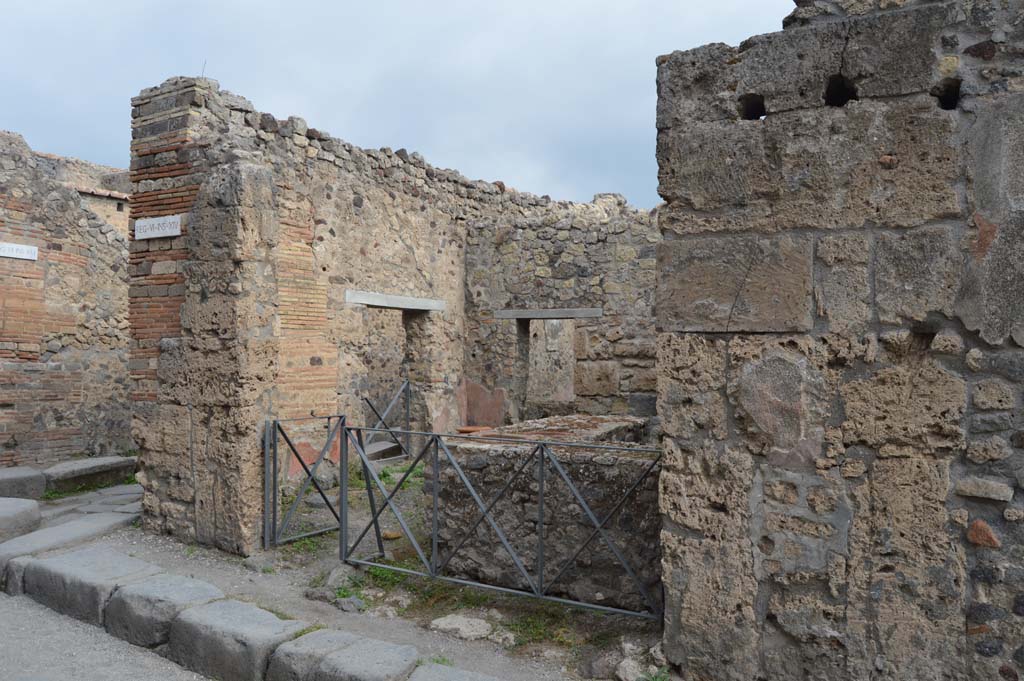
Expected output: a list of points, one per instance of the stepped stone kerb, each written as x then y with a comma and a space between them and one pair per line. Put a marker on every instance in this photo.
141, 613
63, 535
80, 583
68, 476
229, 640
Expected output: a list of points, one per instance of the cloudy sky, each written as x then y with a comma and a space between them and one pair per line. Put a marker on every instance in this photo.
551, 96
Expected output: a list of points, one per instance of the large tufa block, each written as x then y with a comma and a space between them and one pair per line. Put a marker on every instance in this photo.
142, 613
885, 162
80, 583
229, 640
791, 69
725, 284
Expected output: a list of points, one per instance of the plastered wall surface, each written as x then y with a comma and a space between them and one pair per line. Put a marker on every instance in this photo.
839, 306
63, 319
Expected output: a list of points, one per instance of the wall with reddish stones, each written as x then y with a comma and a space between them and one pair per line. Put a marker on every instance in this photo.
841, 350
63, 319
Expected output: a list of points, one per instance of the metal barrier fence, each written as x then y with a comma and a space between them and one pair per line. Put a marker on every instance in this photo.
275, 533
435, 450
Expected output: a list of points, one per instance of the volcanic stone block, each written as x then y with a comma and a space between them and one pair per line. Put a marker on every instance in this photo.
823, 168
22, 482
18, 516
297, 660
916, 273
725, 284
844, 292
368, 660
80, 583
438, 672
229, 640
597, 378
68, 476
141, 613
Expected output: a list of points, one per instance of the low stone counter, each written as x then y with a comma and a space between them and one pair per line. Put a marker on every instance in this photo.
601, 476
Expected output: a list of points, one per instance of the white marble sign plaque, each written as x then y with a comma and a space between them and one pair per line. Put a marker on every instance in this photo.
19, 251
152, 228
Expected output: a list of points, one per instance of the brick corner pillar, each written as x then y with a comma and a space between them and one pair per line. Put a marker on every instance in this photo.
203, 351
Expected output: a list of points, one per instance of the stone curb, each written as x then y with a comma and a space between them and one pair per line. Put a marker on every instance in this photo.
191, 623
18, 517
22, 482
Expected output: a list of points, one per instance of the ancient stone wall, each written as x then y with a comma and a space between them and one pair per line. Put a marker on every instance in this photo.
63, 319
839, 301
595, 255
104, 190
245, 315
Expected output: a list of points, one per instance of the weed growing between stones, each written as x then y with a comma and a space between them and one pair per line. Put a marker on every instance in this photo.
54, 495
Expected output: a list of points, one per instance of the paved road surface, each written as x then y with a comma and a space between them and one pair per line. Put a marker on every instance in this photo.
37, 644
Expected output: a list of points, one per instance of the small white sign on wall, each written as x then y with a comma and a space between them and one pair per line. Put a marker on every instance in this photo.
152, 228
19, 251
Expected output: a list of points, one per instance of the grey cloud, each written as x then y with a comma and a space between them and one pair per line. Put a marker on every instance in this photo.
552, 97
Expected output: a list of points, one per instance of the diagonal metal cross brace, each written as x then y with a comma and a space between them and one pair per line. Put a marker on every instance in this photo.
391, 404
490, 521
486, 513
368, 468
389, 429
393, 492
599, 525
309, 478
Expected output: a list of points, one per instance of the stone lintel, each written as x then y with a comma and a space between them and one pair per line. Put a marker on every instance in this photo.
372, 299
552, 313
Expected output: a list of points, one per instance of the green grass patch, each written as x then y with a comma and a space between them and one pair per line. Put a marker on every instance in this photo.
441, 659
390, 475
54, 495
309, 630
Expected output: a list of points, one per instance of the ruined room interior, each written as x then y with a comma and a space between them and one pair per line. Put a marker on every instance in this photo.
819, 334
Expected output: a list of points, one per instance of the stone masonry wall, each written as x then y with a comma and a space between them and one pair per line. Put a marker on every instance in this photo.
63, 320
243, 316
599, 254
840, 360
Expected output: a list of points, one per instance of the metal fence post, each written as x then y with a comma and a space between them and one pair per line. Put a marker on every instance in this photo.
343, 494
434, 522
276, 491
267, 487
541, 451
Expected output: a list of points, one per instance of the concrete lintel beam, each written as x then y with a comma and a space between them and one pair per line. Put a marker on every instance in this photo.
553, 313
371, 299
